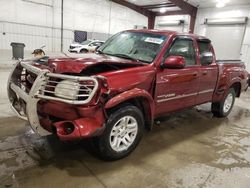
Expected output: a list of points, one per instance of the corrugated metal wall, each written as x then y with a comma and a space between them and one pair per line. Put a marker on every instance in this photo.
37, 22
33, 36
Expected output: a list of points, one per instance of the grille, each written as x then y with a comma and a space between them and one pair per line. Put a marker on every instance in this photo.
81, 90
74, 89
20, 79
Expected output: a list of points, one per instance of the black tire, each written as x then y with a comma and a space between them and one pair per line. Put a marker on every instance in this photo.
103, 143
218, 107
84, 51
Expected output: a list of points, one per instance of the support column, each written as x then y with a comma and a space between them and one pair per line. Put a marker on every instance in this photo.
151, 21
193, 15
62, 26
192, 24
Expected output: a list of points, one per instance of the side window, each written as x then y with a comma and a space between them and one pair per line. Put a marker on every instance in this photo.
203, 48
95, 43
184, 48
98, 44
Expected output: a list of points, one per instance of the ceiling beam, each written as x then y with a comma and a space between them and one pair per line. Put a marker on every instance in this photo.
134, 7
139, 9
186, 7
162, 5
169, 13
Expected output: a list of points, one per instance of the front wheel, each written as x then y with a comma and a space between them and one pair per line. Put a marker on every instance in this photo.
123, 133
223, 108
83, 51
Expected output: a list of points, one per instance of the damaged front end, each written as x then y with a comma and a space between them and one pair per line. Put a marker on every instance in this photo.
57, 103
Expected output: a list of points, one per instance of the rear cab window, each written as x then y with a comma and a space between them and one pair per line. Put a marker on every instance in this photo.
204, 47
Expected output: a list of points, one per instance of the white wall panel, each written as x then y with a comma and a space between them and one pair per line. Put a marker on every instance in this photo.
8, 10
102, 8
30, 13
38, 22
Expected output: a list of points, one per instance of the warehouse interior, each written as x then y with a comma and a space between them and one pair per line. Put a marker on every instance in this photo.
188, 148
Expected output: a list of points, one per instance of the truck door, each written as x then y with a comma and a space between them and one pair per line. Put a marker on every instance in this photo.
208, 73
178, 88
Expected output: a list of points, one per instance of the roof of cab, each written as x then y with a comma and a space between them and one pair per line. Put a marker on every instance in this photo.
168, 33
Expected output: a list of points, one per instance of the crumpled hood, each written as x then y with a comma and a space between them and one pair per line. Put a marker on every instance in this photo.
82, 62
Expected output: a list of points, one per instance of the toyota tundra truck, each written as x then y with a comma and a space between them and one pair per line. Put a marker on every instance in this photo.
113, 95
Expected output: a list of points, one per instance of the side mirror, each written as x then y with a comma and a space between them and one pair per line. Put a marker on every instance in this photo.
206, 58
174, 62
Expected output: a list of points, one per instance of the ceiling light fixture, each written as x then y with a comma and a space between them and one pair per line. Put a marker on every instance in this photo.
163, 10
220, 4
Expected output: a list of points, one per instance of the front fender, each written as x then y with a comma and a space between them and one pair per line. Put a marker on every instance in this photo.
136, 93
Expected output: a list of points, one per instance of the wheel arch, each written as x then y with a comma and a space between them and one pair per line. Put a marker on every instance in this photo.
237, 88
137, 97
84, 49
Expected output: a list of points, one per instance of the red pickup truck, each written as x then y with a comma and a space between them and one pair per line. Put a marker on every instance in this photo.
114, 94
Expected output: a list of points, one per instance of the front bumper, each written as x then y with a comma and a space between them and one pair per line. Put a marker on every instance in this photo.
25, 102
73, 50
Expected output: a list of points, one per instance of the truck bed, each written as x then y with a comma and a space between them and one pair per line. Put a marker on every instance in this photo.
231, 61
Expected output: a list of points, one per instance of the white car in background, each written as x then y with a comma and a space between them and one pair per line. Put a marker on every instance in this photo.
85, 46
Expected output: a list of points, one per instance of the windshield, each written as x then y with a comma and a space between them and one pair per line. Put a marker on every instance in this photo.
132, 45
85, 42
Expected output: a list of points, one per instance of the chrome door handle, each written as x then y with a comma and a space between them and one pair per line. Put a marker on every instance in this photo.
195, 74
204, 73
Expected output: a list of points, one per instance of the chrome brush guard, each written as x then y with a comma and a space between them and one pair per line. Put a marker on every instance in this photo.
24, 100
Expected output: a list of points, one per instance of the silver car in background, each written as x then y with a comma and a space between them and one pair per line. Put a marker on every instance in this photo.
85, 46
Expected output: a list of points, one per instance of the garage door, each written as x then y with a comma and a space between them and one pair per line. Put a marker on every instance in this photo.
226, 39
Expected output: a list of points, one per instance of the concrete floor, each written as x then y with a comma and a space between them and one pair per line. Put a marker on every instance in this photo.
188, 149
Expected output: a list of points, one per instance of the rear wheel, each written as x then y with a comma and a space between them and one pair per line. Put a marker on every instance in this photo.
123, 133
223, 108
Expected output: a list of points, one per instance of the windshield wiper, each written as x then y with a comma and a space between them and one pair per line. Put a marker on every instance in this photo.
124, 56
127, 57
